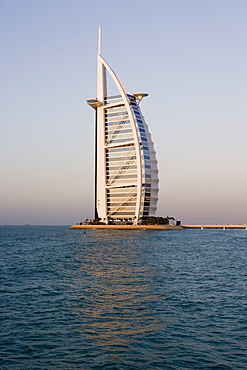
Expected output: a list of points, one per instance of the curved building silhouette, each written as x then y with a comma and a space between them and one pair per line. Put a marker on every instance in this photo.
126, 173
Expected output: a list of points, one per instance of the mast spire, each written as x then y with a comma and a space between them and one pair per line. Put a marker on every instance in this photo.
100, 41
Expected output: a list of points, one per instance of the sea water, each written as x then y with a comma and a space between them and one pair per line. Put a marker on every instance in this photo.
109, 299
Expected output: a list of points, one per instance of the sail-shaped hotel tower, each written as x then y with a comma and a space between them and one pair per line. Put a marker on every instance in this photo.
126, 173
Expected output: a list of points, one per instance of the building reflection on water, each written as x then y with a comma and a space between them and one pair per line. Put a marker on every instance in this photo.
121, 296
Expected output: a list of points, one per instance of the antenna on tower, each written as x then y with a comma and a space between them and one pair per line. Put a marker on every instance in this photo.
100, 40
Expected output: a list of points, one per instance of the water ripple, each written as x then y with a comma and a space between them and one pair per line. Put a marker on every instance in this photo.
122, 299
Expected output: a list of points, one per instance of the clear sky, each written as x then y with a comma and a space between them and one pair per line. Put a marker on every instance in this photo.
189, 55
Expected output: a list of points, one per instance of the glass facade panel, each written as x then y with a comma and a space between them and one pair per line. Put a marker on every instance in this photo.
121, 165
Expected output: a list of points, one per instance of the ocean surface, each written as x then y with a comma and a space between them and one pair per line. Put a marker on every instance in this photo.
109, 299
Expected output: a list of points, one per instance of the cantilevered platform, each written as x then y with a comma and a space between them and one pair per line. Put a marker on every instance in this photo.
128, 227
215, 227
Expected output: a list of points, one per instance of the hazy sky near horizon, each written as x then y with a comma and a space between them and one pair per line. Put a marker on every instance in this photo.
189, 55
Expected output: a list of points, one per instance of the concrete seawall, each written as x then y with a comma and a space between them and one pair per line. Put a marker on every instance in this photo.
156, 227
128, 227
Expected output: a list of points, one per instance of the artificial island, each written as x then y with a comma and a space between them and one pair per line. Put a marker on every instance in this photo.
126, 172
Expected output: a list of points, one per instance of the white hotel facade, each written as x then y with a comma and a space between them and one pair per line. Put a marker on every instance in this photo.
126, 173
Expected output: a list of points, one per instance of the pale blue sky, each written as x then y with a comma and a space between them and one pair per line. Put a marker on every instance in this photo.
189, 55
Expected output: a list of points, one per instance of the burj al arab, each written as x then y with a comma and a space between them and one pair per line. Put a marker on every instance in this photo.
126, 173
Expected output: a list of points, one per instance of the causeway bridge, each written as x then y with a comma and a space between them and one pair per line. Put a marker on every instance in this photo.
224, 227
